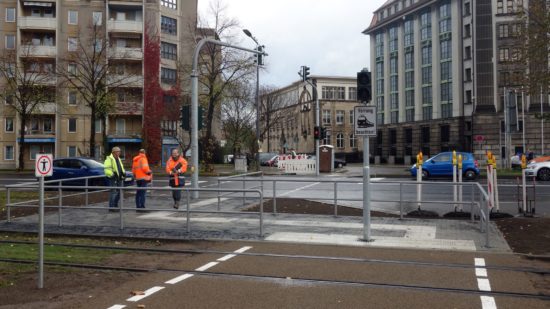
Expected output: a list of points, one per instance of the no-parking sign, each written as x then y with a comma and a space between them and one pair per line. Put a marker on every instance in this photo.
43, 165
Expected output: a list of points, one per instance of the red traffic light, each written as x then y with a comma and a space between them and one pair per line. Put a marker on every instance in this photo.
316, 132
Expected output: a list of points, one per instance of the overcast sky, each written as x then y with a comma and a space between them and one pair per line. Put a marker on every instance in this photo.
322, 34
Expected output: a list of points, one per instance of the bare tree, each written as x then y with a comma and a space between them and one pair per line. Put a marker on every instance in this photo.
271, 103
238, 116
28, 85
86, 70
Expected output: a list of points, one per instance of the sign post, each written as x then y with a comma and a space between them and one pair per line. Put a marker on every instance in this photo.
364, 123
43, 167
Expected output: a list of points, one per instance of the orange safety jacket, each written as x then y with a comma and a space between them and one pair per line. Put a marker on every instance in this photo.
140, 168
171, 164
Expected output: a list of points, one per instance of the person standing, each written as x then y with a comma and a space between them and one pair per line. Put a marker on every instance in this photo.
175, 168
114, 171
142, 174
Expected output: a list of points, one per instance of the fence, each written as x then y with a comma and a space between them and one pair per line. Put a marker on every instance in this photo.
298, 167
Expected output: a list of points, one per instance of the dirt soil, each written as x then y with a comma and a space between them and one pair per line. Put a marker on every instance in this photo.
527, 235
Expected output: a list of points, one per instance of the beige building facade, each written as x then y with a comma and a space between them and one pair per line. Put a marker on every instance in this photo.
43, 32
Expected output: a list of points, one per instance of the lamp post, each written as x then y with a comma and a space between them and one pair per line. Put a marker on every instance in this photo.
258, 47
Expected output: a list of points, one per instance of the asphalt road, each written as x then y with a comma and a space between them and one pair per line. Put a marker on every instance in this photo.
302, 276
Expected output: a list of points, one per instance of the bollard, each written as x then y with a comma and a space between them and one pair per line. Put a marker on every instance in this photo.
419, 179
489, 179
524, 184
459, 168
496, 199
454, 180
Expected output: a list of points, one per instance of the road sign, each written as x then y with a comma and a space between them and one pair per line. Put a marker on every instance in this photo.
479, 138
364, 120
43, 165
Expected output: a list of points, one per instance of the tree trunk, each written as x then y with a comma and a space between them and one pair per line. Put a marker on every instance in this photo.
22, 142
92, 129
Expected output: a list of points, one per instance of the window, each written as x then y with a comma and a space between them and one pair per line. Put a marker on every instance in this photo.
503, 54
71, 151
468, 75
120, 126
168, 25
409, 61
333, 93
426, 95
409, 33
71, 68
98, 45
427, 75
467, 9
503, 31
426, 26
352, 141
9, 125
8, 153
409, 79
168, 76
47, 125
97, 18
468, 97
98, 125
120, 69
425, 134
394, 117
10, 15
34, 125
340, 117
409, 114
326, 116
33, 151
72, 125
426, 55
446, 70
73, 44
408, 136
168, 51
427, 113
73, 17
352, 93
72, 98
328, 139
171, 4
340, 140
447, 110
8, 99
468, 52
446, 50
351, 116
467, 31
120, 96
445, 134
10, 41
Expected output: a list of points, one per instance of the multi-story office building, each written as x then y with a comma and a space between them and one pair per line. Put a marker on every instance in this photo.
52, 29
439, 69
291, 118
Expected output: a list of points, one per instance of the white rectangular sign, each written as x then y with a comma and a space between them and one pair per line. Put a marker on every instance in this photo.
43, 165
364, 120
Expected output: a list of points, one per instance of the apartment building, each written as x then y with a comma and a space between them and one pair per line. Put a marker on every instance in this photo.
439, 70
291, 121
44, 32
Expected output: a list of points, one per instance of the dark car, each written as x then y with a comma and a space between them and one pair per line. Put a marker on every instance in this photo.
441, 165
75, 167
265, 157
337, 162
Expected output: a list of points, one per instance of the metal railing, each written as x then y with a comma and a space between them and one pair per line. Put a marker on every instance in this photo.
243, 176
59, 188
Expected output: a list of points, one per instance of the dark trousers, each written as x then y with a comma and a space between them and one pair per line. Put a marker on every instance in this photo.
176, 195
114, 194
140, 194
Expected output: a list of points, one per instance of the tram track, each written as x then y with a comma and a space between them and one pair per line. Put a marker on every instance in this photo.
538, 271
293, 280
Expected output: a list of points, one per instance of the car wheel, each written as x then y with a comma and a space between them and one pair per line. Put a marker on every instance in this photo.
425, 174
544, 174
340, 165
470, 175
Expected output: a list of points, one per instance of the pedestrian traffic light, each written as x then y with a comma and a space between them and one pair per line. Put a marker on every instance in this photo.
316, 132
323, 132
185, 117
364, 86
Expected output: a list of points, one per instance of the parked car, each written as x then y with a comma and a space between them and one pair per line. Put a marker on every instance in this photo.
273, 162
441, 165
74, 167
265, 157
337, 162
540, 170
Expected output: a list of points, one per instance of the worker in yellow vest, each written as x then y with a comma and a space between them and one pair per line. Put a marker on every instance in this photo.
114, 171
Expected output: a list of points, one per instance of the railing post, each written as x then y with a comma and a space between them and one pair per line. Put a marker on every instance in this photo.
188, 212
86, 190
244, 188
219, 198
472, 202
274, 197
121, 196
400, 201
487, 245
261, 214
8, 207
60, 204
335, 199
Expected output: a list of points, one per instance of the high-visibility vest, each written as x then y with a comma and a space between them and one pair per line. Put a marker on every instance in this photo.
140, 168
111, 168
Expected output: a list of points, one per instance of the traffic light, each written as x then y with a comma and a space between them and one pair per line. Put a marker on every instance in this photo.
185, 117
323, 132
316, 132
260, 57
305, 73
364, 86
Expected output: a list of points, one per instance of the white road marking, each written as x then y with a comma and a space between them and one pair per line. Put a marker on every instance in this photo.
206, 266
117, 307
227, 257
243, 249
479, 262
481, 272
488, 302
179, 279
146, 293
301, 188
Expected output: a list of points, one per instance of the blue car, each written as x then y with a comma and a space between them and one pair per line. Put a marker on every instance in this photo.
441, 165
65, 168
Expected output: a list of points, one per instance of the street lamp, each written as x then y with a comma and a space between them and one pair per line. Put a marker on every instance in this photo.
249, 34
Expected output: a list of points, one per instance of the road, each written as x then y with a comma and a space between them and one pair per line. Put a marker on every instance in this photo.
268, 275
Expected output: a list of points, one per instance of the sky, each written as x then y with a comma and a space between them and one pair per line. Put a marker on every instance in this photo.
322, 34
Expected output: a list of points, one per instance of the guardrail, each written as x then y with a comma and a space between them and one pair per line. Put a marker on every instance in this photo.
243, 176
479, 206
122, 209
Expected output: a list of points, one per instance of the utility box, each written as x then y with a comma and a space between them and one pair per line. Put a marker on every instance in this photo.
326, 158
240, 165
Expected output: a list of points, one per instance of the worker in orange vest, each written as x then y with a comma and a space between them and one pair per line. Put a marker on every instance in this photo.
176, 166
143, 175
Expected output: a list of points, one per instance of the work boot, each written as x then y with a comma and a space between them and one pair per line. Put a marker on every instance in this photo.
176, 204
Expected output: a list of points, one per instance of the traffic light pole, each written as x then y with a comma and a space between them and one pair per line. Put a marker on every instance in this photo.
317, 125
195, 106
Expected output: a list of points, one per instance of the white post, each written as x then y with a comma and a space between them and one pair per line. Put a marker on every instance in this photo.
460, 182
542, 124
455, 193
524, 182
523, 121
366, 190
495, 187
419, 179
41, 236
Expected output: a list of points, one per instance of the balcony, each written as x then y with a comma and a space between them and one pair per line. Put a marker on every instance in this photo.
126, 53
128, 26
38, 51
129, 81
128, 108
42, 79
124, 136
46, 108
42, 23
